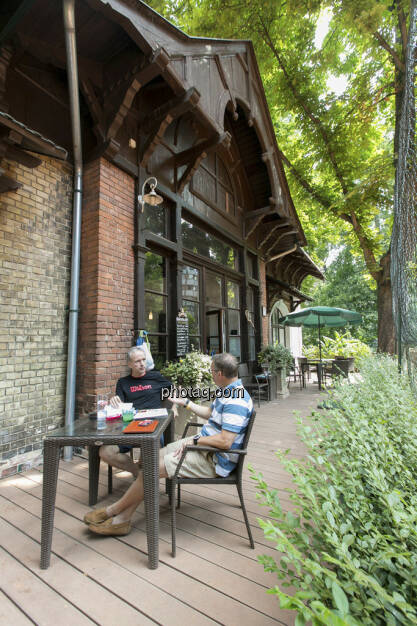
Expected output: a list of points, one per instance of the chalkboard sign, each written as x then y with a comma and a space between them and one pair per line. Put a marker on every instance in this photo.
182, 336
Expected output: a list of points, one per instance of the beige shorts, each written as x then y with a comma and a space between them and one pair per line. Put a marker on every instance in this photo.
195, 465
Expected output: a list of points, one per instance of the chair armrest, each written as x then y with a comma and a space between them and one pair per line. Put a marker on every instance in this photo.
193, 448
187, 426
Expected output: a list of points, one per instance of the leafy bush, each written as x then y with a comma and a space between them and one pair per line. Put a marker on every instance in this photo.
340, 345
277, 356
193, 370
350, 547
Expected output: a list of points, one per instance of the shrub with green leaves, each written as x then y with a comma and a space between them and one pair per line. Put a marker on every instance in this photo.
192, 370
277, 356
350, 547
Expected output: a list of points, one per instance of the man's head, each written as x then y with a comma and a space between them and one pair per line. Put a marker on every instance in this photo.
224, 368
136, 360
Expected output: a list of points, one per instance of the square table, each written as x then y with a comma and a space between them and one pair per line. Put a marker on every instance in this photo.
84, 432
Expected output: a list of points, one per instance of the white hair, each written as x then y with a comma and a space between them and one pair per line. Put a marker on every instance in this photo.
132, 351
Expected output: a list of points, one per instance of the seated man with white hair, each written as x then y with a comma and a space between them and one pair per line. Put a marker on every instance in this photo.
142, 388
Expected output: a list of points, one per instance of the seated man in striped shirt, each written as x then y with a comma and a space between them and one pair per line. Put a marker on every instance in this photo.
228, 417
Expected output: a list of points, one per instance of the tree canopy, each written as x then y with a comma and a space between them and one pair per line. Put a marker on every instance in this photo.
334, 103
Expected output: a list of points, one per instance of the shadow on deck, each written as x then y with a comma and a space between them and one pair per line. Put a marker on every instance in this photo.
215, 577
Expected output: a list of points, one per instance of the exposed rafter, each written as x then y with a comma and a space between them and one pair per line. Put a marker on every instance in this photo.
157, 122
268, 233
193, 156
125, 95
291, 231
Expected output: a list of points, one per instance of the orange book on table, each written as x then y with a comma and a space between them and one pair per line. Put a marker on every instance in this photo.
146, 426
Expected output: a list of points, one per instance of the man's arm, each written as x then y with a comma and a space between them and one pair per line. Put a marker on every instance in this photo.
119, 398
222, 440
201, 411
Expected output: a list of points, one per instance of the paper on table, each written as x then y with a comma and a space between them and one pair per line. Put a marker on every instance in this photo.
150, 414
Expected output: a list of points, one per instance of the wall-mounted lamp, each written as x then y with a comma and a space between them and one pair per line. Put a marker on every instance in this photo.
150, 315
151, 197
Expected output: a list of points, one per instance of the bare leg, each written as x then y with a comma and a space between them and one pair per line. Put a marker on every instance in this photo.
123, 509
112, 456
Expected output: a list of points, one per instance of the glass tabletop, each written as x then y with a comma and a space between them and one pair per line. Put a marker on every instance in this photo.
86, 426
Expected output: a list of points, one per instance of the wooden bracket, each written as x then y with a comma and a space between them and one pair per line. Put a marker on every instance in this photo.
158, 121
125, 95
193, 156
256, 216
7, 183
278, 239
270, 231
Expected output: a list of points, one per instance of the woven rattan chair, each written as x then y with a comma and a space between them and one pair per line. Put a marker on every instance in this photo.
235, 478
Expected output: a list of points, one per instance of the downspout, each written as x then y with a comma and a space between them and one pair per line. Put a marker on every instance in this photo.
72, 73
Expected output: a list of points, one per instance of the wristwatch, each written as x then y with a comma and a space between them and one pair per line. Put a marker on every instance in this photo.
195, 439
187, 402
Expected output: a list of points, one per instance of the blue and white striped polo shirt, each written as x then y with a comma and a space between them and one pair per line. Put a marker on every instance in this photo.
229, 412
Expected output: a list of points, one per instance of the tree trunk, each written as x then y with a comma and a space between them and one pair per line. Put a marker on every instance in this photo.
386, 331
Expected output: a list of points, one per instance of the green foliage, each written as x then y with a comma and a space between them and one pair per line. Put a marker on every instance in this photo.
347, 286
193, 370
349, 548
277, 356
340, 344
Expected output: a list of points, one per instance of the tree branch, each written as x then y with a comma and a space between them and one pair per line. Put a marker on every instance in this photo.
402, 23
396, 59
369, 256
302, 103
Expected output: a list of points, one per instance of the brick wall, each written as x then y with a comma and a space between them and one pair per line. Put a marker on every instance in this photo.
35, 253
107, 281
264, 320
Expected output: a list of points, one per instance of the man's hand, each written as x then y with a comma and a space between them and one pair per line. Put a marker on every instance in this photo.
187, 442
115, 402
175, 399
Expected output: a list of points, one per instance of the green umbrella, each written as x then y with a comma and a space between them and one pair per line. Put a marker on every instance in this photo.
319, 316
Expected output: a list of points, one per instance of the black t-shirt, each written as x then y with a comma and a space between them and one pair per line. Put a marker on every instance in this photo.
145, 391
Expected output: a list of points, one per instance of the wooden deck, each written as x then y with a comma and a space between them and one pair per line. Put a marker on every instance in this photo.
215, 577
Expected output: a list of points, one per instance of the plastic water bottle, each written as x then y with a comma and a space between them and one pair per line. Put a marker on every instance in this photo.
101, 412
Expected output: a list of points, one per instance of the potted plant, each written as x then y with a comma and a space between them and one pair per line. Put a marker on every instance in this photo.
191, 372
277, 360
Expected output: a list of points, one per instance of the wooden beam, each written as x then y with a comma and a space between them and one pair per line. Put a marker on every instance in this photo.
95, 108
226, 84
174, 108
278, 239
282, 254
265, 211
160, 119
196, 154
186, 156
33, 141
269, 233
20, 156
126, 94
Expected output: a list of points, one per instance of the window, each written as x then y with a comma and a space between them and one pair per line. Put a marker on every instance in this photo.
155, 219
277, 331
191, 304
212, 183
233, 318
251, 323
204, 244
156, 299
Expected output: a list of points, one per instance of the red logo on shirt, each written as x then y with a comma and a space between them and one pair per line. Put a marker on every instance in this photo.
140, 388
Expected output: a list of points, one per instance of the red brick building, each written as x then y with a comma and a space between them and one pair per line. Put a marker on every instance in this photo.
225, 245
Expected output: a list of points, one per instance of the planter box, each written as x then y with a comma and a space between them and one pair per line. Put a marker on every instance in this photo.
343, 366
185, 416
279, 385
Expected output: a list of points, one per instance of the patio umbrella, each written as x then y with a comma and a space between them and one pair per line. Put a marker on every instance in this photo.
319, 316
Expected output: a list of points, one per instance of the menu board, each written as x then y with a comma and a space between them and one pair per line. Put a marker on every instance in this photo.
182, 336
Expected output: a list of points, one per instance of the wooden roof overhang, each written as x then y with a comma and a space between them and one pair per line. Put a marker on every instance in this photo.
16, 140
125, 49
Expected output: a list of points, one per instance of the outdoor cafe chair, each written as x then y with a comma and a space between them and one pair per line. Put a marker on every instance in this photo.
256, 385
234, 478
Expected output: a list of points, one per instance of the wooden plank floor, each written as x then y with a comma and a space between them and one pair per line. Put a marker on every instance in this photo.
215, 577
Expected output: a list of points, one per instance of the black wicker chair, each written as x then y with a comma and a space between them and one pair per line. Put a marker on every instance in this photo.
257, 384
235, 478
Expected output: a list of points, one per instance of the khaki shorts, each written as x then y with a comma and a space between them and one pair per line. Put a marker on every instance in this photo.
195, 465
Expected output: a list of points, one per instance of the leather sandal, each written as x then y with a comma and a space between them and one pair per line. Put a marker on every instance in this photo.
109, 529
96, 517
